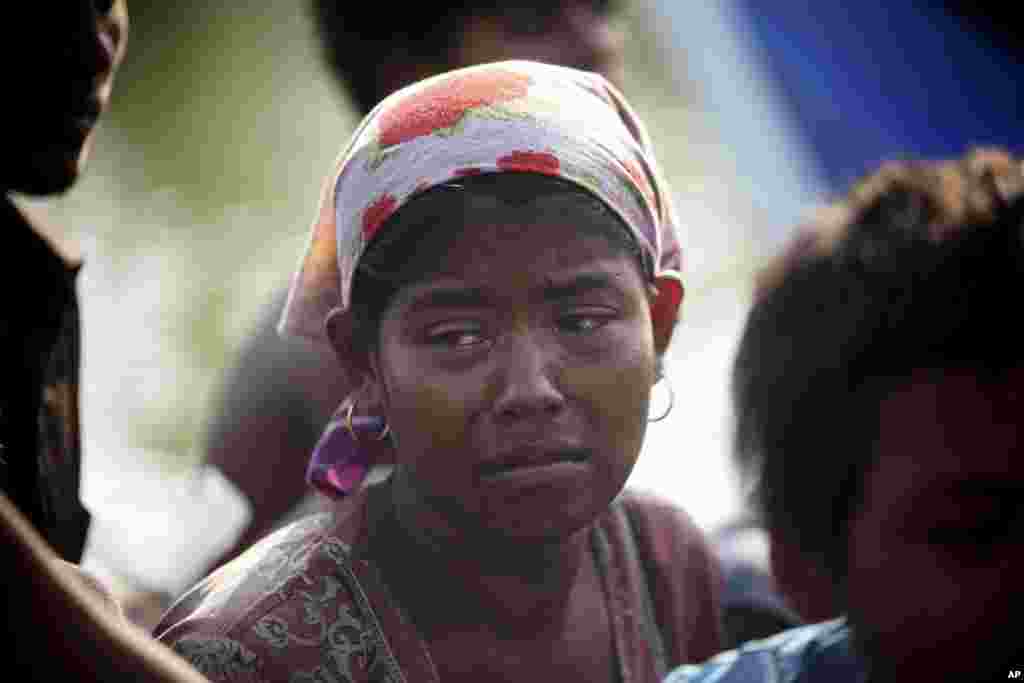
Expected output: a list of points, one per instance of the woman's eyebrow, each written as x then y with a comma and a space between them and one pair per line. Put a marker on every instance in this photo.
477, 297
578, 285
449, 297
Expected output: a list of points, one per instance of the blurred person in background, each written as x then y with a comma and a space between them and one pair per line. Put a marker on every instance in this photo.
496, 264
59, 623
879, 394
753, 607
852, 92
274, 402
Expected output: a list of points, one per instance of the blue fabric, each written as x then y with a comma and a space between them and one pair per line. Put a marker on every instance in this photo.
871, 81
818, 653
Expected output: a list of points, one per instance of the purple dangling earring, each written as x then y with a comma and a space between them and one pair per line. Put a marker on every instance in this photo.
340, 458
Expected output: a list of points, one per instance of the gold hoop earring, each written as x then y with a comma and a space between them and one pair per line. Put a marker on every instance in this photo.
671, 399
346, 422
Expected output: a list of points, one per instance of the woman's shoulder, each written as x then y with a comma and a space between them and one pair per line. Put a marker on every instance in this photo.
680, 571
277, 609
262, 572
655, 515
287, 555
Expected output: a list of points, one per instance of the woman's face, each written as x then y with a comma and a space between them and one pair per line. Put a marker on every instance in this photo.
516, 378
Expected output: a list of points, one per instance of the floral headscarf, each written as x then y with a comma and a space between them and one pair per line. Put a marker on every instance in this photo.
514, 116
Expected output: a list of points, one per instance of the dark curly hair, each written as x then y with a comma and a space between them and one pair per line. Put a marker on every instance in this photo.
357, 40
914, 270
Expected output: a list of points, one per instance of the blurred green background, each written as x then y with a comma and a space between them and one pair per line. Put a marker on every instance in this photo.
197, 200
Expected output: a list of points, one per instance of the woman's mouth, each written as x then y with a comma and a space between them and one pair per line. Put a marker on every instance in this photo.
533, 461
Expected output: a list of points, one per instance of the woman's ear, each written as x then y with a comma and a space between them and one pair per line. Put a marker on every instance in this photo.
665, 305
358, 362
354, 361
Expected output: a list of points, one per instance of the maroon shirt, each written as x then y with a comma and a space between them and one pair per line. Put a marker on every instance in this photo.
308, 604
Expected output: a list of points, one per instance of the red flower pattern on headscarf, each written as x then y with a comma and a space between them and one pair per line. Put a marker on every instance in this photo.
376, 213
536, 162
442, 104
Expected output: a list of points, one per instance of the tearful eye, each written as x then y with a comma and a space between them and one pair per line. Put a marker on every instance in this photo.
464, 338
582, 323
454, 336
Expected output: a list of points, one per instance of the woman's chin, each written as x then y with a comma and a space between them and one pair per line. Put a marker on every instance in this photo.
539, 514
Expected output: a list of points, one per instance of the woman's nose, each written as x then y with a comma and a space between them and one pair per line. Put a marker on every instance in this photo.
526, 376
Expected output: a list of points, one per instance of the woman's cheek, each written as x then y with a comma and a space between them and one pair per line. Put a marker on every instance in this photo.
617, 395
429, 420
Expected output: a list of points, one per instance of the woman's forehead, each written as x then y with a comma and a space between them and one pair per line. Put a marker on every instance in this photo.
541, 245
502, 258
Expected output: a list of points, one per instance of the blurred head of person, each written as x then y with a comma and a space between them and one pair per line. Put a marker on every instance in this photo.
61, 85
879, 394
375, 52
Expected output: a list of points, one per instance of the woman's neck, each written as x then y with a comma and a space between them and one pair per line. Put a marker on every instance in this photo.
510, 583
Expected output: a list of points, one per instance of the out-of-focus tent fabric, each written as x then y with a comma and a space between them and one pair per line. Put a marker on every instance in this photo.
871, 81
